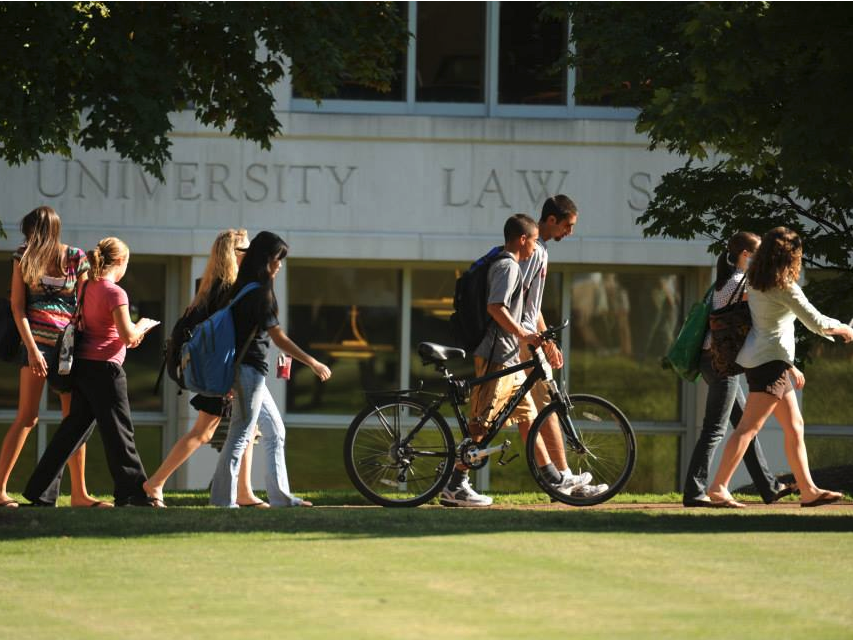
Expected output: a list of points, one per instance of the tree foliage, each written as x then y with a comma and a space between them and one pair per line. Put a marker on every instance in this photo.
755, 96
100, 74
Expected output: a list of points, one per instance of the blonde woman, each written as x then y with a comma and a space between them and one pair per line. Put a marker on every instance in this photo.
219, 274
99, 385
775, 300
45, 279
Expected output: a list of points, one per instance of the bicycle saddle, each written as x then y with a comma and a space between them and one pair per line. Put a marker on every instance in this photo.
431, 352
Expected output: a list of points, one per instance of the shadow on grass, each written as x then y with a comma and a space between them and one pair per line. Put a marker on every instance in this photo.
336, 522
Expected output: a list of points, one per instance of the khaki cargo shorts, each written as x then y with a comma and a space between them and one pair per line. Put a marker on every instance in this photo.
488, 399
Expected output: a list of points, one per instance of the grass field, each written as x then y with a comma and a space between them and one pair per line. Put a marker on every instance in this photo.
518, 570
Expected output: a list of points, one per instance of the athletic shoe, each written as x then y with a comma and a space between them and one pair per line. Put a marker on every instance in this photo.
463, 496
569, 483
590, 490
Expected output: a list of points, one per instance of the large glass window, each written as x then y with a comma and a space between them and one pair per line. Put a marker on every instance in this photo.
528, 51
348, 318
622, 323
451, 43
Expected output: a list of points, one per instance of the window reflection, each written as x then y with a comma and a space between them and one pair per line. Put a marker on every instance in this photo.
348, 318
622, 324
451, 39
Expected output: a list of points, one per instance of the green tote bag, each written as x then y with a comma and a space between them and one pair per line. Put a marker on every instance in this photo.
683, 355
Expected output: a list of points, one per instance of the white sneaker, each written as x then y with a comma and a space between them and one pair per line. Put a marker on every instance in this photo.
464, 496
570, 483
590, 490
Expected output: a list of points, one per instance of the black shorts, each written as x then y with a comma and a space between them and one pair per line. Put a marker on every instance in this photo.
60, 384
214, 405
770, 377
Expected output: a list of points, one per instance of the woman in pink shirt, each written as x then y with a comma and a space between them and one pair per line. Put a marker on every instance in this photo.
99, 385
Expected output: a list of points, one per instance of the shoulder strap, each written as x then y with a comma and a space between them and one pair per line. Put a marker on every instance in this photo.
246, 289
738, 291
78, 312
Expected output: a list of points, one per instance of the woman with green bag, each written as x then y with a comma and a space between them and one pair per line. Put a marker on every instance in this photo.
725, 398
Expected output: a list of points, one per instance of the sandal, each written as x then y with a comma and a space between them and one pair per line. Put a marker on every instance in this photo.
259, 505
728, 503
826, 497
10, 504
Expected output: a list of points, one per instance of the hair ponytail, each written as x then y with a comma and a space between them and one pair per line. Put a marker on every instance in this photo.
727, 262
107, 253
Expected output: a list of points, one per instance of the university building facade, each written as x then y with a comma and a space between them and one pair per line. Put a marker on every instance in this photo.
384, 199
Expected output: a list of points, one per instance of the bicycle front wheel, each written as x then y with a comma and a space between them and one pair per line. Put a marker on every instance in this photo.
399, 453
605, 447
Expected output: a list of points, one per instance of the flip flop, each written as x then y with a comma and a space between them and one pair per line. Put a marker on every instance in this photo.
260, 505
827, 497
729, 503
10, 504
100, 504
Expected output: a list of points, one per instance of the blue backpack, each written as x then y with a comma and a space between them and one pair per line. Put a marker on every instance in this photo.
209, 358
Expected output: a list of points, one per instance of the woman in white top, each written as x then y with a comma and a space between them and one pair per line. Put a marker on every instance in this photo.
775, 300
725, 400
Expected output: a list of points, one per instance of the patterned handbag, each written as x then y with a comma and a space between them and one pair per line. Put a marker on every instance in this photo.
729, 327
67, 338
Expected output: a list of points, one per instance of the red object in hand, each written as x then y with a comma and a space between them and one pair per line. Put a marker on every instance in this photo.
282, 369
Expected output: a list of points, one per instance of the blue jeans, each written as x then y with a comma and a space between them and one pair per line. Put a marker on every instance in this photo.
252, 405
724, 404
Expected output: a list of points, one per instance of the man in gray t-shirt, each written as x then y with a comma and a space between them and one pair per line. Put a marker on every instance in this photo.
498, 350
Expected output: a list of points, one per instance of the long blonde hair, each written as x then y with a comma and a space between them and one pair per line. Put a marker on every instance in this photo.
108, 253
43, 253
221, 266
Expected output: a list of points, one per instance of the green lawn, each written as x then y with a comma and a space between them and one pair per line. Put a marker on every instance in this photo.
508, 572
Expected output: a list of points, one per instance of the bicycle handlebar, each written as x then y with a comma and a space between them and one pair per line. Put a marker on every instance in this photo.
551, 333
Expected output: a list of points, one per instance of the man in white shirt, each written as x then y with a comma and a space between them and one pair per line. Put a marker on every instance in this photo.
557, 220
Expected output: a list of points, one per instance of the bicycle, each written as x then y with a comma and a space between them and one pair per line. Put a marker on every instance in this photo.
399, 451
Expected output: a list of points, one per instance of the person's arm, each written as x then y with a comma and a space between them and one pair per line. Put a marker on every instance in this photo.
131, 333
18, 302
813, 319
291, 348
500, 314
552, 351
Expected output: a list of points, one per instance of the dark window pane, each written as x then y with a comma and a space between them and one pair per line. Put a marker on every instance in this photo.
451, 39
9, 371
348, 318
528, 50
349, 90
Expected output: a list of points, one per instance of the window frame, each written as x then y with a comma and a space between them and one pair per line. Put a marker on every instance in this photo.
489, 108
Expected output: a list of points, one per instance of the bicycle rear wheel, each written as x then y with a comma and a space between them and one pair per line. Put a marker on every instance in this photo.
608, 446
399, 453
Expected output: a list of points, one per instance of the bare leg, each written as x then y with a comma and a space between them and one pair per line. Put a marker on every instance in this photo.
553, 437
758, 408
540, 452
245, 494
789, 416
29, 393
201, 433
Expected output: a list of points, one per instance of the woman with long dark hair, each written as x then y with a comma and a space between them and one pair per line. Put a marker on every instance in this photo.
46, 278
213, 293
256, 323
767, 356
725, 400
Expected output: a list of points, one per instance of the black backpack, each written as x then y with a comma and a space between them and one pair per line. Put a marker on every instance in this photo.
181, 332
470, 319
